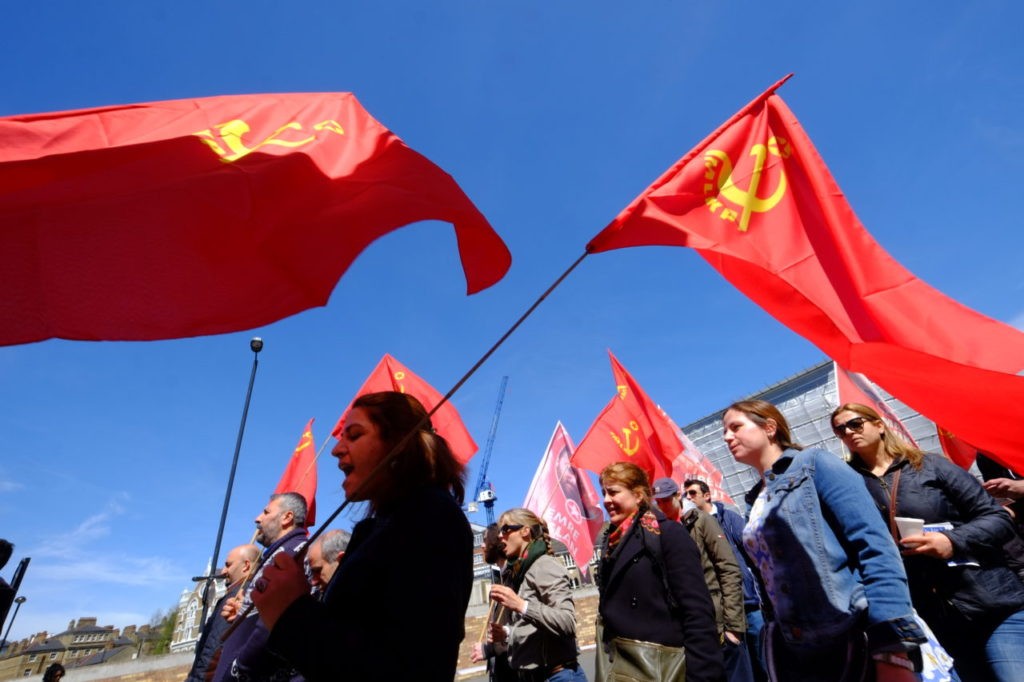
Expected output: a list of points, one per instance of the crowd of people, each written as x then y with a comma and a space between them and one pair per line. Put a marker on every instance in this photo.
892, 566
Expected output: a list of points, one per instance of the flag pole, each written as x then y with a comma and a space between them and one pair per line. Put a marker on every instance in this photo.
255, 345
400, 446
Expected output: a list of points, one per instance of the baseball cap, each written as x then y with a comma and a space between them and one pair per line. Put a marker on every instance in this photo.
665, 487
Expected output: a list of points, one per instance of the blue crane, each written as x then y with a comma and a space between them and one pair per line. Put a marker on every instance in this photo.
484, 491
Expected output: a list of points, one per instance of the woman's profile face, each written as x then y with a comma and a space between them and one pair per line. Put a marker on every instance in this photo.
359, 450
746, 439
859, 433
619, 501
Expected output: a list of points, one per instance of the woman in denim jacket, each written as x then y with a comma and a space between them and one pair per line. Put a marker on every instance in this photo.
836, 594
959, 580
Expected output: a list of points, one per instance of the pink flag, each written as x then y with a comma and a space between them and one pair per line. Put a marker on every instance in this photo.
565, 499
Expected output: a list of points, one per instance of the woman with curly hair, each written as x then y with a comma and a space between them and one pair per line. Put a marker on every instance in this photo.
653, 599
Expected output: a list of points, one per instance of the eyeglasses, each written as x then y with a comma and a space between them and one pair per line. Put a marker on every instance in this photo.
509, 528
692, 493
855, 425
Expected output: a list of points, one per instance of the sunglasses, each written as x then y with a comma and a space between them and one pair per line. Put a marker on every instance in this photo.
509, 528
692, 493
855, 425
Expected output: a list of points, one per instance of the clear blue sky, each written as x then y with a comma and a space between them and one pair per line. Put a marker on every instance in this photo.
552, 116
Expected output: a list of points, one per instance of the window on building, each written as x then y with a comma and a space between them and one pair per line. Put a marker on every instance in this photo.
26, 672
53, 656
32, 658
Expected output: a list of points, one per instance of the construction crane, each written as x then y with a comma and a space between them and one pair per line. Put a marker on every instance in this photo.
484, 492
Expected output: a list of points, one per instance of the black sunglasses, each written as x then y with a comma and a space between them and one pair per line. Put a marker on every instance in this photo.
509, 528
855, 425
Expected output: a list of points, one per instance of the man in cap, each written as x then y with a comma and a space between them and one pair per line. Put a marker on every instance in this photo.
721, 573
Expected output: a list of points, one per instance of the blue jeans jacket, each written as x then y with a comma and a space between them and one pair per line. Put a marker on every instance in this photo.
834, 565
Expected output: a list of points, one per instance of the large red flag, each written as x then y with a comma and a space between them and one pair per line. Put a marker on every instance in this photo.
957, 449
190, 217
757, 202
391, 375
631, 428
564, 497
300, 474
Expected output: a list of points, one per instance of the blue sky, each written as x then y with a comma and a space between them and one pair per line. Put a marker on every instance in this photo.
552, 116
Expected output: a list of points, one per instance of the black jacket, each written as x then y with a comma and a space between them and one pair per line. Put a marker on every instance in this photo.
941, 491
209, 641
395, 608
634, 604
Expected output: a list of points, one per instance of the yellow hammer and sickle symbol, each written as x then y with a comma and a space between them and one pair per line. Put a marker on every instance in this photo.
398, 377
631, 444
622, 391
748, 198
306, 439
231, 134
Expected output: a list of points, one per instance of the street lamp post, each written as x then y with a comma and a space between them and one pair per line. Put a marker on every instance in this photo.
17, 605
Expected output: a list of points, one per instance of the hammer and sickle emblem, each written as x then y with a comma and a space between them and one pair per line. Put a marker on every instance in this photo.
230, 134
631, 443
748, 199
622, 391
399, 376
307, 439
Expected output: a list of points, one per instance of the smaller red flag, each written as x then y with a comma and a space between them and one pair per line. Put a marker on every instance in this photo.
852, 387
631, 428
960, 451
391, 375
300, 474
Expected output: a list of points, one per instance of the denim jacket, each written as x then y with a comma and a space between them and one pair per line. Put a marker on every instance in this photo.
835, 566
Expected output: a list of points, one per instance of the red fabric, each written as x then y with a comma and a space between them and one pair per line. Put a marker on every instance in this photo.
857, 388
564, 497
300, 474
391, 375
691, 463
191, 217
802, 255
631, 428
961, 452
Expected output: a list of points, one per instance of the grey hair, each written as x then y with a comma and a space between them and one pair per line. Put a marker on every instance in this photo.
333, 543
295, 503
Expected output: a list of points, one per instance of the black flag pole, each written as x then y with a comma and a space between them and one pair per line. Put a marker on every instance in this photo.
255, 345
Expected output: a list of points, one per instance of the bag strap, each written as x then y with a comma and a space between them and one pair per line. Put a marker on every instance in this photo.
892, 505
654, 549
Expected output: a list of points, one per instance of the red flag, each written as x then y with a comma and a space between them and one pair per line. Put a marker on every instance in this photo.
191, 217
692, 463
564, 497
631, 428
960, 451
757, 202
391, 375
857, 388
300, 474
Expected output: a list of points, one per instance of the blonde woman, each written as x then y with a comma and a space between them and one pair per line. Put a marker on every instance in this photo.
958, 577
536, 595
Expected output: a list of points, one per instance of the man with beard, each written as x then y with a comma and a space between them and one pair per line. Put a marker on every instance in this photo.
237, 566
280, 527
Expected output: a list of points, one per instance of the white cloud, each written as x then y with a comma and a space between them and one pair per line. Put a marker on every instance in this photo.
10, 486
